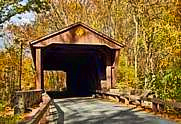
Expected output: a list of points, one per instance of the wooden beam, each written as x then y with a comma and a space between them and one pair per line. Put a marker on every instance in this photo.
38, 69
114, 68
108, 77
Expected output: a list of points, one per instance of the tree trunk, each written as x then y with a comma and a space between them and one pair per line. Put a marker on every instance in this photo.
20, 65
135, 47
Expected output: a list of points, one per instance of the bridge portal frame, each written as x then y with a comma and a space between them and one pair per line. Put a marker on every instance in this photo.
76, 34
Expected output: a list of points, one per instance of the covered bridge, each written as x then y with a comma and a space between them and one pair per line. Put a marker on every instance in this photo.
88, 57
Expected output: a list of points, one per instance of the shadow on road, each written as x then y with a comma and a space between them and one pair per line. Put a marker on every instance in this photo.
65, 94
92, 111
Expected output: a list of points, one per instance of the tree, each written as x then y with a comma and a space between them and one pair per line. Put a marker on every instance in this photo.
9, 8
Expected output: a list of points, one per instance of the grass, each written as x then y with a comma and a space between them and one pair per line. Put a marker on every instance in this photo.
7, 114
9, 119
2, 105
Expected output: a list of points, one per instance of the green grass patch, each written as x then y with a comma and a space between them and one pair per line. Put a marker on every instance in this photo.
6, 119
2, 105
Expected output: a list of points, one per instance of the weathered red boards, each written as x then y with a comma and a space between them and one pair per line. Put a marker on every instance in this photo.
88, 57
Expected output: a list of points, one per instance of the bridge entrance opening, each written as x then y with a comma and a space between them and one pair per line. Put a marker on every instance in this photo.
85, 65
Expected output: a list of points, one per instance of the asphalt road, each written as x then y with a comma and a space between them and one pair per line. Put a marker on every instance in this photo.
86, 110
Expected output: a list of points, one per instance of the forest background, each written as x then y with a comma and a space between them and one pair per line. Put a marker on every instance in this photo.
149, 29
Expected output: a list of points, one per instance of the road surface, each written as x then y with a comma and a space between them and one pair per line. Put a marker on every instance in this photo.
86, 110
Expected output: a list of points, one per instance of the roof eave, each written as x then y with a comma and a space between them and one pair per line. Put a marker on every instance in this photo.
72, 26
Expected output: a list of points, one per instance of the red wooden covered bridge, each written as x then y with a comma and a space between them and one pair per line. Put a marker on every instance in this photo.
88, 57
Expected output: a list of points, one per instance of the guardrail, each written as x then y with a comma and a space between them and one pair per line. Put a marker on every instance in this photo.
106, 94
40, 115
157, 104
26, 99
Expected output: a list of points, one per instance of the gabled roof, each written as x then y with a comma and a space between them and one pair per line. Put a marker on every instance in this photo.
74, 26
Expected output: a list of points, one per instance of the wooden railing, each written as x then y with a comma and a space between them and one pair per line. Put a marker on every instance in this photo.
39, 115
157, 104
26, 99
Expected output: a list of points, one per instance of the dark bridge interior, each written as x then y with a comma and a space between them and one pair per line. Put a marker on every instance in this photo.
85, 65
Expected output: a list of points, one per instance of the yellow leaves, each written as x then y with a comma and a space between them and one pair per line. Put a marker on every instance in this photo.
28, 77
73, 6
163, 63
54, 80
177, 52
